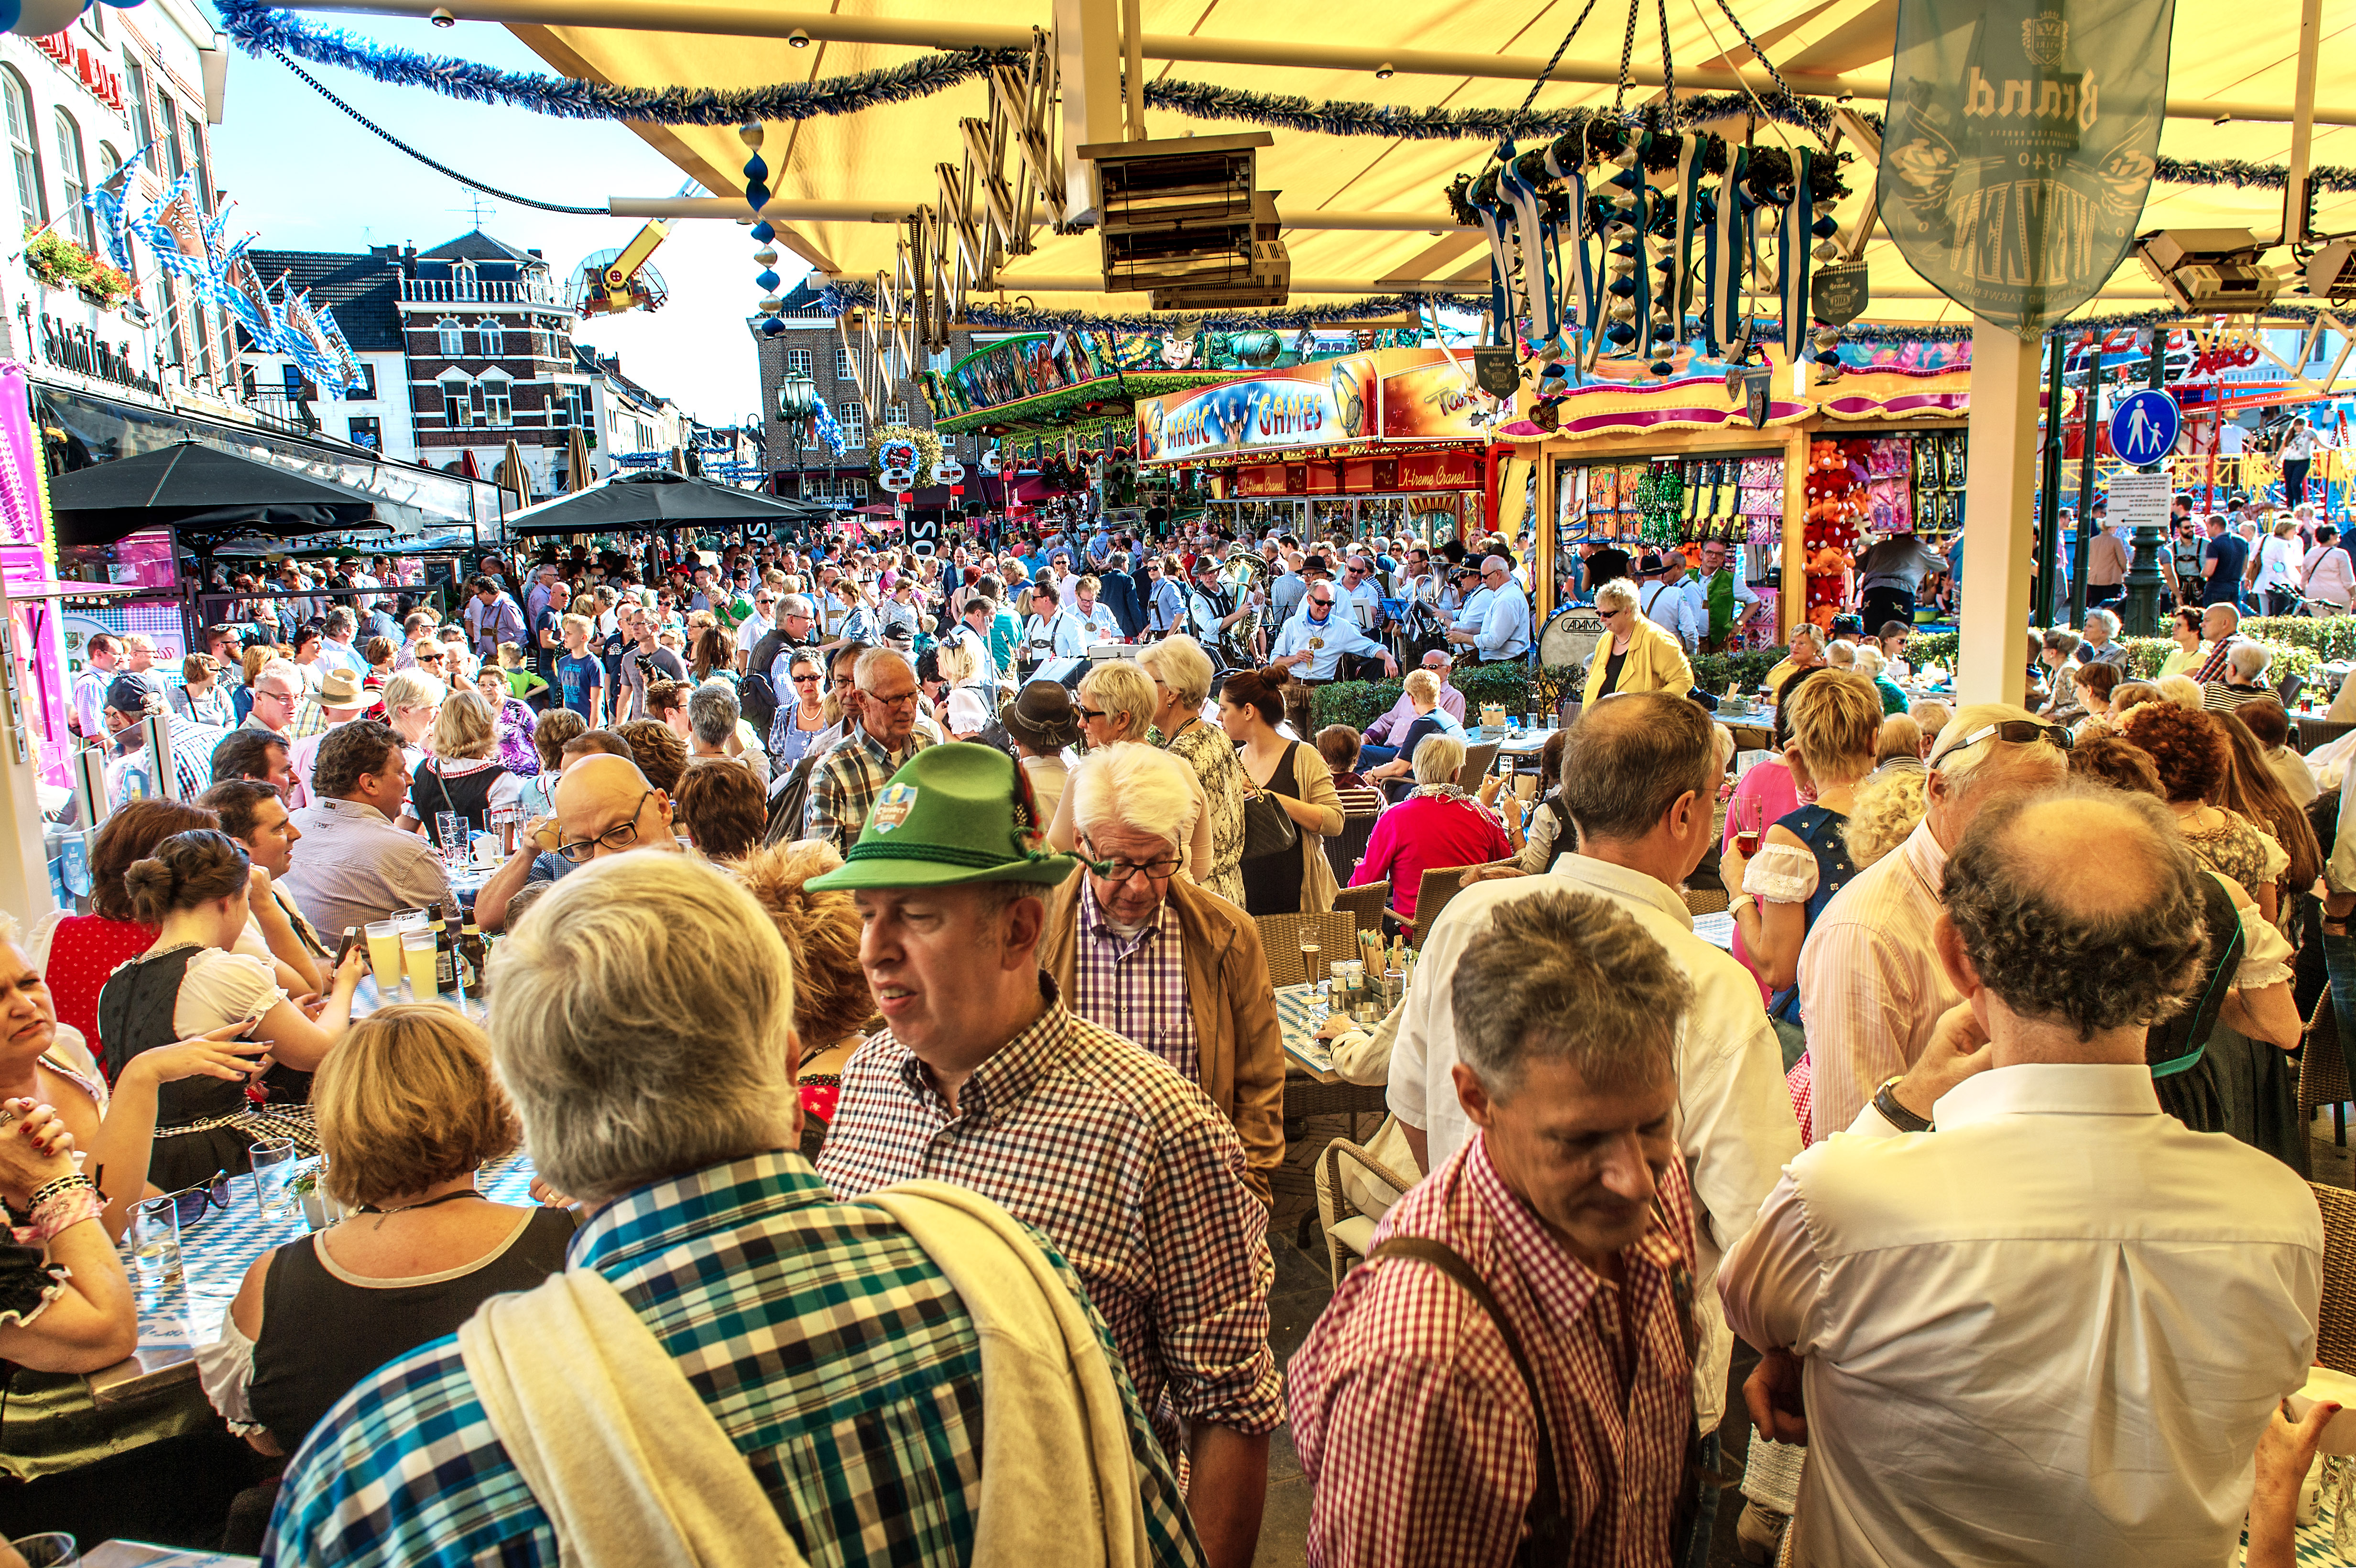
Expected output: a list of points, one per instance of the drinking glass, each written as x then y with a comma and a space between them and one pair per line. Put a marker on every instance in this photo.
506, 822
384, 957
417, 957
155, 1236
274, 1170
1746, 813
1313, 956
52, 1549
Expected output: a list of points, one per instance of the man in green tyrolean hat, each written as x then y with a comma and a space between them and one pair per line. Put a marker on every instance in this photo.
982, 1076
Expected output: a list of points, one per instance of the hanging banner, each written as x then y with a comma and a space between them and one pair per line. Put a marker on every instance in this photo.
2020, 146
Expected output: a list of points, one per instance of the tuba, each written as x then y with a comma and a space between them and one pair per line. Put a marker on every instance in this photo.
1239, 643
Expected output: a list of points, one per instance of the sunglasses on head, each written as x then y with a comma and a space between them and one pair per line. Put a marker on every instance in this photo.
2018, 731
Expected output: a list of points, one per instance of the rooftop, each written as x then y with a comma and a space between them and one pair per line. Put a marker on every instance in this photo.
363, 290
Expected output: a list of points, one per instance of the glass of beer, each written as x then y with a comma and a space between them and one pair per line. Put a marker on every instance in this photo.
384, 957
1313, 956
417, 949
1745, 816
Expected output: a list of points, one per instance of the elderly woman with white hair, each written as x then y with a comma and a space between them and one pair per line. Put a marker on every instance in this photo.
1438, 824
2101, 644
2246, 663
1180, 673
1635, 654
1807, 652
1116, 709
1170, 967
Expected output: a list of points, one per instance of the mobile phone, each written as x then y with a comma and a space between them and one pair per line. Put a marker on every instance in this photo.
343, 949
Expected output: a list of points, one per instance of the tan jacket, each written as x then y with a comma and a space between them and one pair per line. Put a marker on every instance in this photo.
1238, 1045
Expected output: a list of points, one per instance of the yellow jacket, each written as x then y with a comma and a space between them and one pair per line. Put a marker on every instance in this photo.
1656, 662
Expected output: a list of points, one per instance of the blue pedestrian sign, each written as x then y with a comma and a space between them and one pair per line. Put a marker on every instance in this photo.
2143, 427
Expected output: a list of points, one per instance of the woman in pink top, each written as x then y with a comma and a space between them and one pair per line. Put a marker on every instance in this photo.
1770, 783
1438, 824
2330, 574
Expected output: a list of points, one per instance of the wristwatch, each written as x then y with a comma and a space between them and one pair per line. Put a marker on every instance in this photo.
1885, 1100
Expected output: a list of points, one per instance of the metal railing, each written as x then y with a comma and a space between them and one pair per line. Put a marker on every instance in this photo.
444, 291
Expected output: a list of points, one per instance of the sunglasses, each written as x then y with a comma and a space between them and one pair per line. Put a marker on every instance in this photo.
2020, 731
189, 1203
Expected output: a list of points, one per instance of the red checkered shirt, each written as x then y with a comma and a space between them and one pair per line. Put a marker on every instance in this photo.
2220, 653
1136, 986
1415, 1429
1128, 1168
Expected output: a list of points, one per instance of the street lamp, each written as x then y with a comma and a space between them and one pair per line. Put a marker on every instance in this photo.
797, 403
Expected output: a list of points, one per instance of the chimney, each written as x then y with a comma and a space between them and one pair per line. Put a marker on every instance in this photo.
535, 254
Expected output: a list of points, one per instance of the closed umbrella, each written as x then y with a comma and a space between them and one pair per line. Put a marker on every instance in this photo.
577, 471
512, 474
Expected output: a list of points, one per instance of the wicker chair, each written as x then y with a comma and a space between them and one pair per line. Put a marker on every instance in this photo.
1348, 1230
1345, 850
1366, 905
1336, 935
1707, 900
2335, 1340
1441, 884
1479, 757
2323, 1071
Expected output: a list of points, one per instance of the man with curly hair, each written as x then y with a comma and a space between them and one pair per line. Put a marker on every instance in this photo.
1994, 1309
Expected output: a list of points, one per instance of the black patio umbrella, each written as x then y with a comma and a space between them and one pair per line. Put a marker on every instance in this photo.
198, 488
658, 498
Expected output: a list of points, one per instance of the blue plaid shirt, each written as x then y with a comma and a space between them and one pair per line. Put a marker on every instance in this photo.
826, 1343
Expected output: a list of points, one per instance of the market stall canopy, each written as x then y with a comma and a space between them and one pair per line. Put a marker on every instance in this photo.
656, 499
1206, 65
197, 488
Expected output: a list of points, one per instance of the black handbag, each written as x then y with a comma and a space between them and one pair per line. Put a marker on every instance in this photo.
1269, 829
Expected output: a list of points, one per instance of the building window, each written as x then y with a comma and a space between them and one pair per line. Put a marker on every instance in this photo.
365, 390
454, 409
291, 377
135, 88
897, 414
453, 338
75, 172
32, 200
197, 157
495, 341
368, 431
854, 489
464, 285
95, 20
843, 372
797, 361
167, 116
852, 417
496, 402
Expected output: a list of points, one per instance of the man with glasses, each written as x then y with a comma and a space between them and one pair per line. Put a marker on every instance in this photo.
1313, 642
360, 866
1872, 985
1723, 605
1136, 947
548, 630
277, 699
756, 626
846, 780
1359, 590
1502, 630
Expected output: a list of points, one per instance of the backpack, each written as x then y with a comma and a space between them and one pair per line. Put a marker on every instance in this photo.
790, 802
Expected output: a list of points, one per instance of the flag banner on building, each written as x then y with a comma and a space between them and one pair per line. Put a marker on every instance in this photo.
174, 230
301, 337
2020, 144
350, 362
247, 298
109, 207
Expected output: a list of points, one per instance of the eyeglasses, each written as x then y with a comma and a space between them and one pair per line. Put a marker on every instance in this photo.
189, 1203
902, 701
2020, 731
263, 691
1321, 604
1119, 871
431, 658
621, 836
1094, 712
804, 679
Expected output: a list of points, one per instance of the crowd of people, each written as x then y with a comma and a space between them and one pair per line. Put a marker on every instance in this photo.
891, 1027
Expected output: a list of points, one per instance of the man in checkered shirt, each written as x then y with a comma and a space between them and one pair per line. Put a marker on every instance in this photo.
828, 1346
1411, 1400
982, 1076
843, 784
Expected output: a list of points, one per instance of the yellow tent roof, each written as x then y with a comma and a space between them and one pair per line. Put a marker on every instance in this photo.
2223, 50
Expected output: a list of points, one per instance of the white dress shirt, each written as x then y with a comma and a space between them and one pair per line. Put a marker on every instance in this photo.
1734, 1114
2048, 1332
1871, 987
1666, 606
1504, 629
1324, 642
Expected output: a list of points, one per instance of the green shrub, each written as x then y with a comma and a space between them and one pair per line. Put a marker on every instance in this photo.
1715, 672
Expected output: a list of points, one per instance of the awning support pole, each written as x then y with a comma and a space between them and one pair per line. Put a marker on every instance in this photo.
1999, 531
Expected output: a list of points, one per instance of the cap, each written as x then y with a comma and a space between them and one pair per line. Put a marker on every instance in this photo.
127, 694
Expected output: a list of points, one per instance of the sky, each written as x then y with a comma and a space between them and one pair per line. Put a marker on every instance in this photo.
306, 177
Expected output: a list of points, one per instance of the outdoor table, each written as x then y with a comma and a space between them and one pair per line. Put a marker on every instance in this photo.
1312, 1087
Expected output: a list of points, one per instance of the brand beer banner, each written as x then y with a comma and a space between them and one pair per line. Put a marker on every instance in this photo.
2020, 145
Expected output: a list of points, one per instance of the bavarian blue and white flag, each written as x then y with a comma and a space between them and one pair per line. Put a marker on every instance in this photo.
174, 230
308, 343
247, 298
353, 374
109, 207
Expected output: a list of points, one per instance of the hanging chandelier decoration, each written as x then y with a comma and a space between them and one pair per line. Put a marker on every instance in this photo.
756, 196
1629, 237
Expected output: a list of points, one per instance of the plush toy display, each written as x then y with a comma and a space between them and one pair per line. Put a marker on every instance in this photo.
1837, 501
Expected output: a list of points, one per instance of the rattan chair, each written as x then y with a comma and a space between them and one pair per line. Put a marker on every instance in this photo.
1345, 850
1365, 905
1707, 900
1479, 758
1347, 1230
2335, 1340
2323, 1071
1441, 884
1336, 935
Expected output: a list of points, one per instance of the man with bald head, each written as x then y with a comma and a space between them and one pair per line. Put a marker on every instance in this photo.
854, 770
2020, 1314
604, 807
1871, 986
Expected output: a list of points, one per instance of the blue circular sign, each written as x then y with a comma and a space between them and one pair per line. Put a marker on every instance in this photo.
2143, 427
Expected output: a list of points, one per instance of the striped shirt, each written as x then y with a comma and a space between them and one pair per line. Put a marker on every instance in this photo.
827, 1345
1128, 1168
1136, 986
1415, 1428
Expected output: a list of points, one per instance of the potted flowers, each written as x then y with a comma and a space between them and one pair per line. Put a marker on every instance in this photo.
56, 262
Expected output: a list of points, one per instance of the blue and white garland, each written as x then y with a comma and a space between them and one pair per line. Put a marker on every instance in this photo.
263, 28
835, 298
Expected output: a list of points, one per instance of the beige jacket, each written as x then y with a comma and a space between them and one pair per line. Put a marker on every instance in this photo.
1238, 1045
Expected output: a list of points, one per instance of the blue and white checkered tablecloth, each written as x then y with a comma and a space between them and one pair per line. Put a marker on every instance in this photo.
1298, 1013
216, 1249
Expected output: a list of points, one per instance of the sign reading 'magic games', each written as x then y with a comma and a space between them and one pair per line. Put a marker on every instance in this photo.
2020, 145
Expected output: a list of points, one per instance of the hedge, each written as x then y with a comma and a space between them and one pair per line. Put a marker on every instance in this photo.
2299, 644
1359, 703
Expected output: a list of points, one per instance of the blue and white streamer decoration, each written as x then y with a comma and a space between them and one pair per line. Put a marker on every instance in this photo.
756, 196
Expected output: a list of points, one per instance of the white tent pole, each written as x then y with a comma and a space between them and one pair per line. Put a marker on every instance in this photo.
1999, 529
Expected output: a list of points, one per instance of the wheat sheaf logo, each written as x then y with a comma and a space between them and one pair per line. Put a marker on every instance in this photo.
2043, 39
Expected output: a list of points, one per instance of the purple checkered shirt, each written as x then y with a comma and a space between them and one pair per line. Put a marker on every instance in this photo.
1136, 986
1128, 1168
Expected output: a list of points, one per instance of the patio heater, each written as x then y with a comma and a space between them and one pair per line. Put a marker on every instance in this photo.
796, 404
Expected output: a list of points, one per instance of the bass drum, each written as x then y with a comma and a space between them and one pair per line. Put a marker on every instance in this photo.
1570, 637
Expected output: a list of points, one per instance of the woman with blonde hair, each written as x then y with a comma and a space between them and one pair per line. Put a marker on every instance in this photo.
409, 1112
462, 777
1836, 730
833, 1009
1117, 704
1180, 673
1634, 653
1884, 809
971, 705
411, 698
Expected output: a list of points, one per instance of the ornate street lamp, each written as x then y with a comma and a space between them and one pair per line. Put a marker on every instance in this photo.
796, 404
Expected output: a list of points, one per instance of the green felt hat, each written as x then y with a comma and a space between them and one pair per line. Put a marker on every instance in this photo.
955, 813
